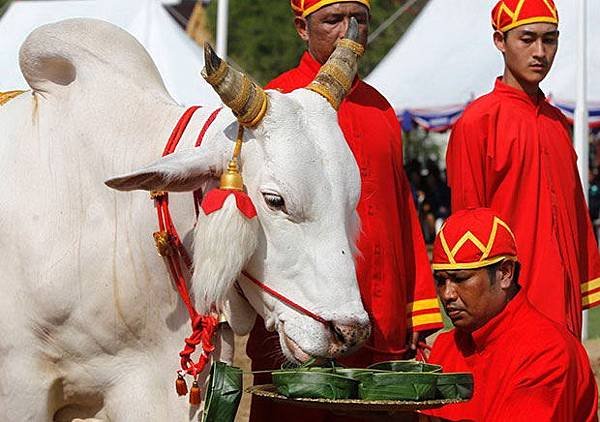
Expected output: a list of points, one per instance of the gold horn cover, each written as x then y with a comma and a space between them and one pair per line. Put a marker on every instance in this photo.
335, 77
246, 99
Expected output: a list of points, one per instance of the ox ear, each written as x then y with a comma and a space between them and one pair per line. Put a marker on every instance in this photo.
181, 171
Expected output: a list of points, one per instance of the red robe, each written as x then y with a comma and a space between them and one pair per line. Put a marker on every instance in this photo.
393, 271
525, 368
515, 156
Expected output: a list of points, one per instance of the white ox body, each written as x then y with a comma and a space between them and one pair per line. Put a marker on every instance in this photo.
91, 323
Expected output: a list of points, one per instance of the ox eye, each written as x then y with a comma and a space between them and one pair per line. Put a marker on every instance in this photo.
274, 201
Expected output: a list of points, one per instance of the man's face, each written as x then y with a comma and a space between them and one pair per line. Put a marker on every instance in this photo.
529, 51
470, 297
324, 27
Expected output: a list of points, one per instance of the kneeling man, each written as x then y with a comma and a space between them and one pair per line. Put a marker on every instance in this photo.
525, 366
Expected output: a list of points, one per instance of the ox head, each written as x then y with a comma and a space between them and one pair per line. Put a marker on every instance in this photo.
304, 183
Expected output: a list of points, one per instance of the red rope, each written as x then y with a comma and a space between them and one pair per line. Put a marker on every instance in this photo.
198, 193
207, 124
285, 299
423, 351
178, 130
203, 326
386, 352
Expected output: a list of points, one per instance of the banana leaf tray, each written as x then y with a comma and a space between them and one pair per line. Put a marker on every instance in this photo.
269, 391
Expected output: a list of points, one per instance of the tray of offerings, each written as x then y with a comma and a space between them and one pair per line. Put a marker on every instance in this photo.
354, 405
396, 386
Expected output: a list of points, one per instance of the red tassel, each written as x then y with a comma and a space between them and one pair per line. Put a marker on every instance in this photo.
181, 386
195, 394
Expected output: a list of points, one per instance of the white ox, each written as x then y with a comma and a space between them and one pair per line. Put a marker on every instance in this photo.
91, 323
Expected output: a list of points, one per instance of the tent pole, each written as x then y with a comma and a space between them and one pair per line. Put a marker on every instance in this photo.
581, 126
222, 17
401, 10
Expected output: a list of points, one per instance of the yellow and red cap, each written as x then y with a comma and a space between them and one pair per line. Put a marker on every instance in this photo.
473, 238
306, 7
508, 14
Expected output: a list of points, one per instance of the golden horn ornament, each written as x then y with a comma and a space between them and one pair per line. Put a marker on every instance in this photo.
246, 99
335, 77
231, 179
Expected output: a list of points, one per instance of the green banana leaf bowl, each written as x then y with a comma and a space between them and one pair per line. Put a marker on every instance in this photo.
406, 366
356, 373
417, 386
454, 385
314, 384
223, 393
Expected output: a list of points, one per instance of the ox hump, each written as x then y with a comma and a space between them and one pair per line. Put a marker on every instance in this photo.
94, 53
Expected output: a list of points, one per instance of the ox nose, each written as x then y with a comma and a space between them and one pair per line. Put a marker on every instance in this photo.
347, 336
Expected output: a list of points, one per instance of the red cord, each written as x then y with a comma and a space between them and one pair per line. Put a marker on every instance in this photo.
285, 299
203, 326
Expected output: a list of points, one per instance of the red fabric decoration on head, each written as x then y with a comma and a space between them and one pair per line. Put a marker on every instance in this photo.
215, 199
509, 14
306, 7
473, 238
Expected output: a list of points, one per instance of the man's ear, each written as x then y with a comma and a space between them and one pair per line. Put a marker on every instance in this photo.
506, 273
301, 25
499, 41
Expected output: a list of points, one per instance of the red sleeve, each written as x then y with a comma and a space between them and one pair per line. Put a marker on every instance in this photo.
422, 309
465, 164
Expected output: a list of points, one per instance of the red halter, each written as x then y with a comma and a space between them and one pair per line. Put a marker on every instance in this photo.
169, 246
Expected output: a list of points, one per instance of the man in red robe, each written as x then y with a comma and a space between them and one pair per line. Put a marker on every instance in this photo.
393, 267
511, 151
525, 366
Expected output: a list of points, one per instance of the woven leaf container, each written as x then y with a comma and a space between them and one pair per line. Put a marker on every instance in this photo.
356, 373
406, 366
314, 384
398, 386
457, 385
223, 393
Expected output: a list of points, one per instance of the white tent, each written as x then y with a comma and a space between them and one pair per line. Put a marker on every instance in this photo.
447, 56
178, 58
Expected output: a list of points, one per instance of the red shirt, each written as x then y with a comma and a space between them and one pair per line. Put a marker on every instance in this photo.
515, 156
525, 368
393, 270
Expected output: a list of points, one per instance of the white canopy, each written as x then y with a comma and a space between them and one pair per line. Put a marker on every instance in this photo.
447, 56
178, 58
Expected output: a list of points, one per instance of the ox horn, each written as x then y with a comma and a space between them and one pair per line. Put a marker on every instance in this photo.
246, 99
335, 77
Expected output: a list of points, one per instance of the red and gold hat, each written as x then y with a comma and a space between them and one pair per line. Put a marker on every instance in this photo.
306, 7
473, 238
509, 14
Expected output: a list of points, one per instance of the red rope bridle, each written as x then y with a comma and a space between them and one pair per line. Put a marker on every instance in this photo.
169, 246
